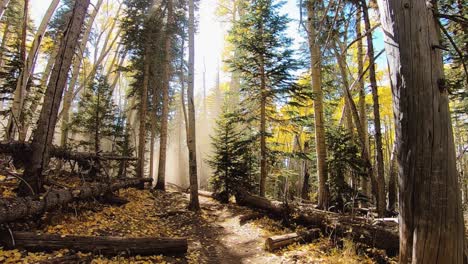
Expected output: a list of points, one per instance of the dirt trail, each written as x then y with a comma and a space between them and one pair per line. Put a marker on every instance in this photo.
223, 240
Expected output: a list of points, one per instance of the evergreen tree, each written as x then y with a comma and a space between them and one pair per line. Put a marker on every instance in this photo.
97, 113
232, 162
264, 62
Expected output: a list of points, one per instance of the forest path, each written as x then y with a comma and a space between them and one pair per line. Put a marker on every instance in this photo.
221, 238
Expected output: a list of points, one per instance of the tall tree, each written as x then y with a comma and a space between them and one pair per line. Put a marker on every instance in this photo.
43, 135
191, 136
315, 65
264, 61
431, 217
380, 183
161, 184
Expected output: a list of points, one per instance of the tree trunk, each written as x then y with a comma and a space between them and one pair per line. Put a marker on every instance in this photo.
167, 72
143, 109
28, 70
263, 148
305, 185
105, 245
380, 195
191, 136
392, 192
362, 98
19, 208
43, 135
279, 241
19, 95
74, 76
320, 147
431, 218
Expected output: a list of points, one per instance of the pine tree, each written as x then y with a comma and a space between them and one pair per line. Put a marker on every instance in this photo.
232, 162
264, 62
97, 114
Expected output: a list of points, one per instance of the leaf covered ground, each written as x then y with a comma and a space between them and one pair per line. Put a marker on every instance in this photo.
214, 234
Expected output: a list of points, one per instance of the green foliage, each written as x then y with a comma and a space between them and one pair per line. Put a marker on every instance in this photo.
233, 162
343, 159
96, 114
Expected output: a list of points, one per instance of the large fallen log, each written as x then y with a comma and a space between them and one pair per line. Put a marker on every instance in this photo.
104, 245
12, 209
22, 150
279, 241
331, 224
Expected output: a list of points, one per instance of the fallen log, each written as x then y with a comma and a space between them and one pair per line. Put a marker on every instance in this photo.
276, 242
205, 194
70, 259
109, 246
331, 224
243, 219
111, 199
12, 209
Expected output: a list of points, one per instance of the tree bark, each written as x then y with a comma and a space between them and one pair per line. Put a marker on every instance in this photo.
109, 246
380, 195
167, 72
143, 110
44, 132
191, 136
392, 188
305, 185
431, 218
263, 148
279, 241
320, 147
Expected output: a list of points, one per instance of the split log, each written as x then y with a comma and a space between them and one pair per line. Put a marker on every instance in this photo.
331, 224
12, 209
109, 246
276, 242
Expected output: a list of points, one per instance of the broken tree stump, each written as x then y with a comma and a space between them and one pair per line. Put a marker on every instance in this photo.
12, 209
109, 246
276, 242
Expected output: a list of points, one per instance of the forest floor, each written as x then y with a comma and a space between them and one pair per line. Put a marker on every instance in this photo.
215, 234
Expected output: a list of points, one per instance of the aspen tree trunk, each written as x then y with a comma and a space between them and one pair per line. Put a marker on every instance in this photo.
5, 38
65, 113
3, 6
380, 192
161, 183
43, 135
27, 70
431, 217
140, 168
362, 97
320, 146
191, 136
19, 95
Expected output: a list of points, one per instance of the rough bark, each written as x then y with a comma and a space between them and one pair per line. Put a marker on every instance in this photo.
392, 187
431, 218
13, 209
43, 135
68, 98
329, 223
109, 246
142, 111
380, 183
191, 136
279, 241
320, 147
167, 72
263, 148
305, 185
